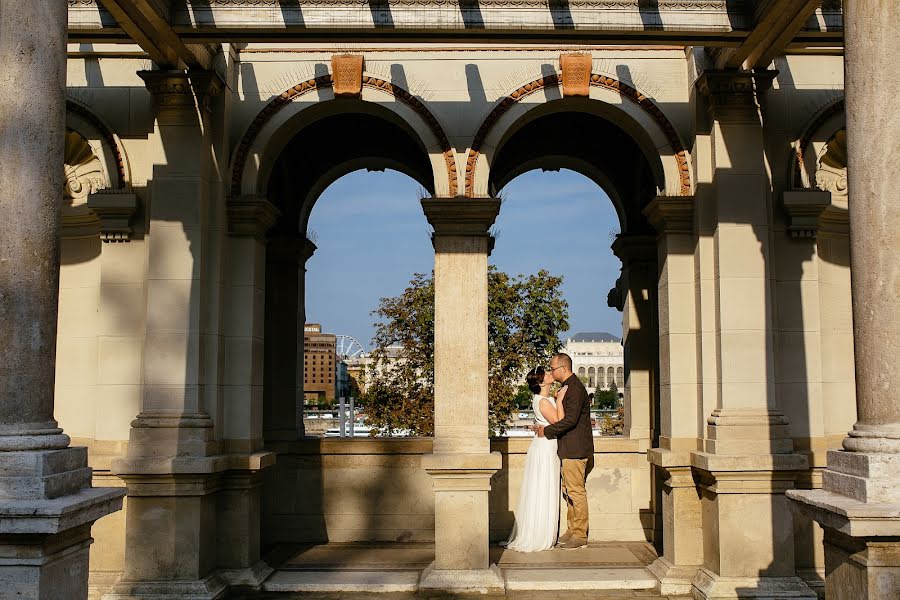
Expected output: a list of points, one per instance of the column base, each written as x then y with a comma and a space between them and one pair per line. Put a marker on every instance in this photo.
710, 586
674, 580
44, 543
862, 544
462, 580
208, 588
249, 578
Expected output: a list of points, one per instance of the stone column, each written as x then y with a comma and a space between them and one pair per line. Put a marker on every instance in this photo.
640, 339
747, 461
174, 464
47, 504
462, 464
859, 505
673, 217
285, 316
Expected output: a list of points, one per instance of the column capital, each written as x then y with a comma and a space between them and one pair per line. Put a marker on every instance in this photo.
290, 248
671, 214
734, 94
634, 248
182, 89
461, 216
250, 216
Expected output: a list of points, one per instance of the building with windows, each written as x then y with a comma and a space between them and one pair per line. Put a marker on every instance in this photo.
598, 359
319, 363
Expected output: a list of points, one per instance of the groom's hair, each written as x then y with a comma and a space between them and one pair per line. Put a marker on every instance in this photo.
563, 360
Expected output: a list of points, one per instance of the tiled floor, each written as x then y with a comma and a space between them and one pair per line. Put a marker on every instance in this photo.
357, 571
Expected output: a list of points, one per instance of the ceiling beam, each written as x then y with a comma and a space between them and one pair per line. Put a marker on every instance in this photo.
145, 22
778, 22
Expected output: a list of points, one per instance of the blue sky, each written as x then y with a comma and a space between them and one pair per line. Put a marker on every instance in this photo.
372, 236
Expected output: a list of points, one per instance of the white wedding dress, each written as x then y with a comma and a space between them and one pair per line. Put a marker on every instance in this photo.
537, 514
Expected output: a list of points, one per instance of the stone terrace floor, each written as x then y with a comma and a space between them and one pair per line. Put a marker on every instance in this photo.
390, 571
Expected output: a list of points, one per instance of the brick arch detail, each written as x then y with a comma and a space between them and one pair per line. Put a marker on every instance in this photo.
326, 81
604, 81
81, 111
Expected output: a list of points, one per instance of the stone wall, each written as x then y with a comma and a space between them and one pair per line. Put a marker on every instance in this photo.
375, 490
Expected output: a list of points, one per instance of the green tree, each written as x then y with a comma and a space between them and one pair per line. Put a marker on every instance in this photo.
608, 398
524, 397
525, 316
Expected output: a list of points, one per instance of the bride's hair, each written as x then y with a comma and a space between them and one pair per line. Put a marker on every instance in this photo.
534, 379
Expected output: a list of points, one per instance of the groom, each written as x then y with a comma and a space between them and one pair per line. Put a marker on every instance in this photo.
575, 448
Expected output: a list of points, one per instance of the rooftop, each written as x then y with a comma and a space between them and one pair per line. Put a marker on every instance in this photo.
594, 336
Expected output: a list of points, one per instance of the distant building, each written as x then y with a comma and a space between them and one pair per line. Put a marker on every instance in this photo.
361, 369
598, 358
319, 363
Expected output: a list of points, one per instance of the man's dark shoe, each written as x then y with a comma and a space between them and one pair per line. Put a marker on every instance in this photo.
563, 539
574, 543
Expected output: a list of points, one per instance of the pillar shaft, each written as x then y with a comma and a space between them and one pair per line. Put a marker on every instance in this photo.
872, 36
462, 464
32, 40
285, 317
640, 339
47, 505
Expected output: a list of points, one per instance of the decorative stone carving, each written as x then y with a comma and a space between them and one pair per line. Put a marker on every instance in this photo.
831, 167
576, 74
114, 208
346, 71
83, 171
616, 296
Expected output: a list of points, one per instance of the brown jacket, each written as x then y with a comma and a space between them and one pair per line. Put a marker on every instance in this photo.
576, 440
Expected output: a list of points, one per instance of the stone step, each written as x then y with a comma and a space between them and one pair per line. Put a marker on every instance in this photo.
394, 581
343, 581
579, 579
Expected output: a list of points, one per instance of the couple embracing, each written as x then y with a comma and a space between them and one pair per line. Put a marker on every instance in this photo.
563, 442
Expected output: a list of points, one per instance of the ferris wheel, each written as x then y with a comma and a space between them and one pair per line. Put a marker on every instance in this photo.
347, 347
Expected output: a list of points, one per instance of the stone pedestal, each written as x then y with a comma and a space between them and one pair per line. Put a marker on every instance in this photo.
47, 505
859, 505
682, 524
462, 464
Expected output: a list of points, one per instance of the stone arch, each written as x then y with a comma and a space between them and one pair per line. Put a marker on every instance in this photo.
809, 145
282, 117
642, 118
104, 144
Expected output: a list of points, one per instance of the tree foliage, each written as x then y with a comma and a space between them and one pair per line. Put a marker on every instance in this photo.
608, 398
525, 316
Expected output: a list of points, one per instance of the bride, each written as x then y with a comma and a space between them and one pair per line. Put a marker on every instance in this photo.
537, 515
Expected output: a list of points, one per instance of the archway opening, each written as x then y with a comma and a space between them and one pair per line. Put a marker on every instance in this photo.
584, 147
347, 187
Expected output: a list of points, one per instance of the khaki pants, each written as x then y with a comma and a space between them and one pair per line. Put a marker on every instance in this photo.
574, 474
